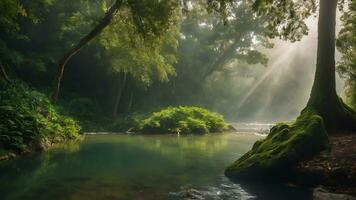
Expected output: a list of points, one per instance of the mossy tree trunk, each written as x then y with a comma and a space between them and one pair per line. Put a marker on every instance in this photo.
323, 99
104, 22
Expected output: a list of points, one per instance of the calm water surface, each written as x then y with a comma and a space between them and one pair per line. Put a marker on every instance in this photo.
134, 167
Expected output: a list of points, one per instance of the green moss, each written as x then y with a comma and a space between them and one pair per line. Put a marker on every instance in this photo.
286, 144
184, 120
29, 121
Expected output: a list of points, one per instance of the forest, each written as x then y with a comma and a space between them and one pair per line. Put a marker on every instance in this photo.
178, 99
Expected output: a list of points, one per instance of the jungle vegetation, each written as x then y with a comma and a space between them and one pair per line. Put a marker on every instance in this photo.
108, 64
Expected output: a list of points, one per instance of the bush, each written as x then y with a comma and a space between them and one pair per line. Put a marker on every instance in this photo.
184, 120
29, 121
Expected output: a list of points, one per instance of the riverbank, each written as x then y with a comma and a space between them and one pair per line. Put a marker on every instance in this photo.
334, 170
30, 122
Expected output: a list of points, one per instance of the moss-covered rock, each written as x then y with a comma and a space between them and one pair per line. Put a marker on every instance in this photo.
283, 148
184, 120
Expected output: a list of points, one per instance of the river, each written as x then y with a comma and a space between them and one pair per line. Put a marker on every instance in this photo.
135, 167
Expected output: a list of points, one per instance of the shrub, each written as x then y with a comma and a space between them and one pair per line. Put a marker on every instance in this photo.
185, 120
29, 121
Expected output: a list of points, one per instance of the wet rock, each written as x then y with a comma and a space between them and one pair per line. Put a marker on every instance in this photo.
193, 194
231, 128
11, 155
320, 193
7, 156
132, 130
42, 145
4, 157
190, 194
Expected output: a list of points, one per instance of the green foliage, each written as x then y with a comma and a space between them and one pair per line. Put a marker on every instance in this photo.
13, 14
29, 121
184, 120
285, 19
10, 12
132, 122
346, 44
145, 58
284, 147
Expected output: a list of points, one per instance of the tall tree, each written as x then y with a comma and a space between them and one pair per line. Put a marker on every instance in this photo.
104, 22
286, 19
323, 98
142, 60
325, 113
151, 17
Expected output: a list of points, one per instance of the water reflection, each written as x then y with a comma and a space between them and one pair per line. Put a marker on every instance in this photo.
131, 167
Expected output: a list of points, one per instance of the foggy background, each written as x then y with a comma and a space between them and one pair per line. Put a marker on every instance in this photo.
279, 91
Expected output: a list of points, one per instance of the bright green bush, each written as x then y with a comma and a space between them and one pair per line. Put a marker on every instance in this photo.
184, 120
29, 121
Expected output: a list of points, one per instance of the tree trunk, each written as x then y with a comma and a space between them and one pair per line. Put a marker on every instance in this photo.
120, 89
323, 98
130, 100
221, 61
104, 22
3, 74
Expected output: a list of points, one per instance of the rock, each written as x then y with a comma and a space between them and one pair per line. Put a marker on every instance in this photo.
42, 144
193, 194
320, 193
231, 128
7, 156
11, 155
282, 149
190, 194
4, 157
131, 130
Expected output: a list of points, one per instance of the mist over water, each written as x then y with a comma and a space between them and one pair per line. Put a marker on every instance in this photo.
279, 91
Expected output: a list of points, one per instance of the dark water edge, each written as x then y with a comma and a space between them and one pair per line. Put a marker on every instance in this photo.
138, 167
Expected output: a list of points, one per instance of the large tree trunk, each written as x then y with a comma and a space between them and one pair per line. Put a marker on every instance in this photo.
323, 98
120, 89
104, 22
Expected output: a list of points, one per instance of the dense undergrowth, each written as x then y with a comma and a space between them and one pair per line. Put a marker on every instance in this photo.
29, 121
184, 120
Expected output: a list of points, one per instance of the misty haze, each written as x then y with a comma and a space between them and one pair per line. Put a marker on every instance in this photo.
177, 99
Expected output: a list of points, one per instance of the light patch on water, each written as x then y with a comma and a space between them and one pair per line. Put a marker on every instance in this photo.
225, 191
259, 129
98, 133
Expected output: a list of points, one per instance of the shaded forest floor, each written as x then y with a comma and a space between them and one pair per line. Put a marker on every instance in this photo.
335, 170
